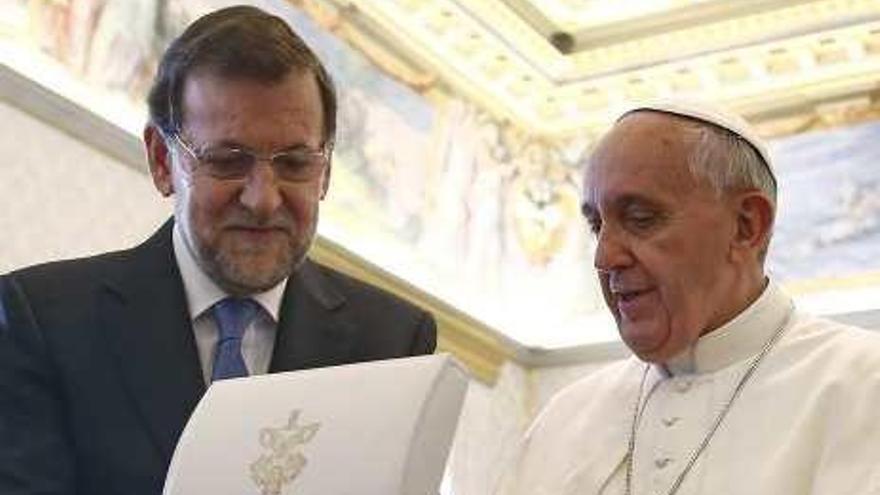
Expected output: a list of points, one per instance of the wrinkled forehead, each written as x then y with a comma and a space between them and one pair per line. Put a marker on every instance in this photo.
642, 130
642, 146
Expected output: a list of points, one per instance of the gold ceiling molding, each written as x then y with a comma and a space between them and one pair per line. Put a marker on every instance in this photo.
578, 16
565, 67
830, 115
860, 281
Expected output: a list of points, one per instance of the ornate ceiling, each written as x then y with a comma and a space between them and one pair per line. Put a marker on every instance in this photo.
552, 68
560, 67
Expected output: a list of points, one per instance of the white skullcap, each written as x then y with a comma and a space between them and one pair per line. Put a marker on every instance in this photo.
706, 112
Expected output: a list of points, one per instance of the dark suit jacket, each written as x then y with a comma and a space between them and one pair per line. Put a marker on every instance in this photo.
99, 370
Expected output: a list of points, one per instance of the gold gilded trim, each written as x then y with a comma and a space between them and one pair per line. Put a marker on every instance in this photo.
860, 281
507, 58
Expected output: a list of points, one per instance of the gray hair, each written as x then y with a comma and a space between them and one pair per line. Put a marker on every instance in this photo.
726, 160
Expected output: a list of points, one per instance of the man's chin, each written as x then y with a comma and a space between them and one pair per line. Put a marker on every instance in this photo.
242, 269
647, 344
655, 356
242, 279
245, 286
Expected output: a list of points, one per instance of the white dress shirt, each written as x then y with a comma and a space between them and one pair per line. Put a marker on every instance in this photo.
201, 295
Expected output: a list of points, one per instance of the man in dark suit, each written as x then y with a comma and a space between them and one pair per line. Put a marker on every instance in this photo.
103, 359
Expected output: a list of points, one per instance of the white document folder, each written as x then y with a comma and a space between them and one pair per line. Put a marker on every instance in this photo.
376, 428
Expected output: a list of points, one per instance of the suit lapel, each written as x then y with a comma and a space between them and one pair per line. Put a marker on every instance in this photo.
147, 322
313, 330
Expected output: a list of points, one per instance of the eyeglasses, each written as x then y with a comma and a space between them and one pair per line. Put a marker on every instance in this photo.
231, 163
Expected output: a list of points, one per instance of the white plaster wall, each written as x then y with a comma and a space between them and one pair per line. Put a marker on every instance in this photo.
62, 198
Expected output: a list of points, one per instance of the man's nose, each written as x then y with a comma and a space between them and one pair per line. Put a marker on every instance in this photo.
261, 194
612, 250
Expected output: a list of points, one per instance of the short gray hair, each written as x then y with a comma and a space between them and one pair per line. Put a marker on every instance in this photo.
726, 160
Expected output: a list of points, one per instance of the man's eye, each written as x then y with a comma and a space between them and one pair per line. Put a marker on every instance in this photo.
292, 161
642, 220
227, 159
298, 165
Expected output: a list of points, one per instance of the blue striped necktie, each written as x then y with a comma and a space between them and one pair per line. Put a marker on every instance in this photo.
233, 315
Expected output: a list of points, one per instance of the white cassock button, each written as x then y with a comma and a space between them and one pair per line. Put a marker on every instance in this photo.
670, 421
683, 386
662, 462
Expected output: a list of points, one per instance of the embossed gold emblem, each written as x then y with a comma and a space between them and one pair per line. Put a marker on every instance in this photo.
284, 459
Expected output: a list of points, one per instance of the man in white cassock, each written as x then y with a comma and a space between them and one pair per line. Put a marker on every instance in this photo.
731, 389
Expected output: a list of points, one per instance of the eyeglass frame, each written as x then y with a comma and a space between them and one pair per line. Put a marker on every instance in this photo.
324, 153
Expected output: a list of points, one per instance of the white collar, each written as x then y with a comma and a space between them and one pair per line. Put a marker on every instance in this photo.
202, 293
740, 338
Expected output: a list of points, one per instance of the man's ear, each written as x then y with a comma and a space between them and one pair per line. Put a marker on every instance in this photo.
754, 222
159, 159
